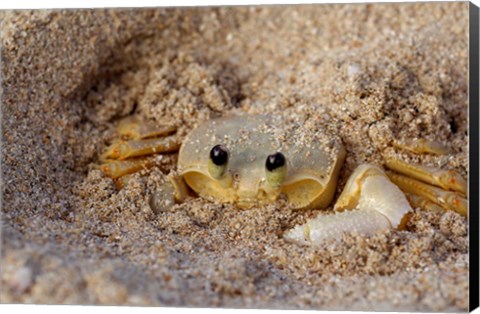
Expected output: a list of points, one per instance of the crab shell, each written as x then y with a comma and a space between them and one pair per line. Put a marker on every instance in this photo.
314, 158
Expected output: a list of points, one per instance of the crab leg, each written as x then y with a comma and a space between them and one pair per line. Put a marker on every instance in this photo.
446, 199
131, 128
122, 181
117, 168
134, 148
421, 146
423, 203
144, 143
369, 202
447, 179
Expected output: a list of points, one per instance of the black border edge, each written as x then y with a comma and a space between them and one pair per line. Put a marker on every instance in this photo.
473, 157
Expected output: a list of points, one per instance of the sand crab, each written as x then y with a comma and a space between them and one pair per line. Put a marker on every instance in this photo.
251, 160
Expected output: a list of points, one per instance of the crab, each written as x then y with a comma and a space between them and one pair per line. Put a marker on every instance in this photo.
252, 160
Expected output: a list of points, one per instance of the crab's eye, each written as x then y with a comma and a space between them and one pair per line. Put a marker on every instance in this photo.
218, 161
276, 169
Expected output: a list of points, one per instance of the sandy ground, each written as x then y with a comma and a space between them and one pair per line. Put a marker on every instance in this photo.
378, 72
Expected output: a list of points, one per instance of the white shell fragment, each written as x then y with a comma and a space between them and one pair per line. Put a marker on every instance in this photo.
380, 206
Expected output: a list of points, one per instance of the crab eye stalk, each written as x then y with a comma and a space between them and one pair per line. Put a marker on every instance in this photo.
276, 169
218, 161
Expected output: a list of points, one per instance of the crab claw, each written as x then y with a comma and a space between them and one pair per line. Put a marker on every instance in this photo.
370, 202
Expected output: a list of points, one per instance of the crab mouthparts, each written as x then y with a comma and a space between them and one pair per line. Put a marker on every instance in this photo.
250, 198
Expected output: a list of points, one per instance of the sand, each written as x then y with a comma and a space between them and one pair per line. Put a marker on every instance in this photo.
376, 72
